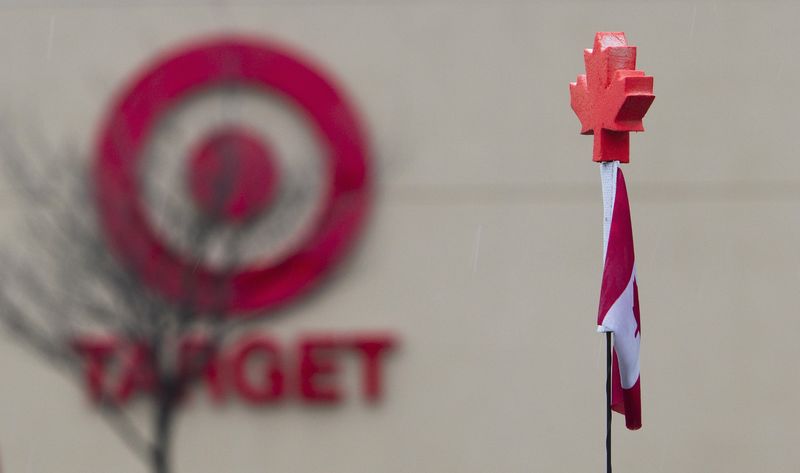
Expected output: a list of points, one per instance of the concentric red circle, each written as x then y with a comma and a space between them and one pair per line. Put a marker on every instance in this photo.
202, 67
232, 175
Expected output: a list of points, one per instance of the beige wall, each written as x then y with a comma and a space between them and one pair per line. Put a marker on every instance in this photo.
483, 251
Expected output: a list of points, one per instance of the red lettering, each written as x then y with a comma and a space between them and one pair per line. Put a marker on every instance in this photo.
256, 367
371, 349
137, 373
271, 389
316, 366
96, 351
198, 359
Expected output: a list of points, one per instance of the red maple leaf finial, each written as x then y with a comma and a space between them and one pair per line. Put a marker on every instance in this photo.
612, 97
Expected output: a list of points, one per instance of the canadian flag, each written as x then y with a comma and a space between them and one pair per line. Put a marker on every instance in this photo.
619, 297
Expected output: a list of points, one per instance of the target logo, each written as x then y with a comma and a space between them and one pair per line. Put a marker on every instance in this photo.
242, 133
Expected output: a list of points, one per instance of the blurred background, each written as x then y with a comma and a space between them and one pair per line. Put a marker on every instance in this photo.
481, 250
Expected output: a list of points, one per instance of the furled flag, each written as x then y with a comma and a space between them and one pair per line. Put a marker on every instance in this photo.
619, 296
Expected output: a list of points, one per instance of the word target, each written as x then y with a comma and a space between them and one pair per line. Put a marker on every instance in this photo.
233, 174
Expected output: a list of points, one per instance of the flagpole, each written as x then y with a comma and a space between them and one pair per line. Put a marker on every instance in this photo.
608, 402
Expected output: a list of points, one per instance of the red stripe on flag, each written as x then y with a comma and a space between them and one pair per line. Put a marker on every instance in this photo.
627, 402
619, 254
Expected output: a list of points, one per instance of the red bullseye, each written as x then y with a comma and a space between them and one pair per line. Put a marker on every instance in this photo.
201, 68
232, 175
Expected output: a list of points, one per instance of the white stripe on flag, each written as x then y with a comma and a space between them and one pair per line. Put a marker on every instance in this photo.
608, 177
621, 321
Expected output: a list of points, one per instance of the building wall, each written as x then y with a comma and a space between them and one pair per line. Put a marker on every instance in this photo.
483, 251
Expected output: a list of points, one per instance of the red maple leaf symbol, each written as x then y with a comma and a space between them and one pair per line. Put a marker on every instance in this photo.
612, 97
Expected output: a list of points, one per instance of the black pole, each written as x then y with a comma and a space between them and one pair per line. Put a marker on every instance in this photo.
608, 402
